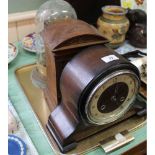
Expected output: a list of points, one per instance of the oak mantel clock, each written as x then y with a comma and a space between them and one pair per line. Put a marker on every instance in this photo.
89, 86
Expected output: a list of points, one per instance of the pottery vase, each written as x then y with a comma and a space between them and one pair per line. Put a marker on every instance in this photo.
113, 24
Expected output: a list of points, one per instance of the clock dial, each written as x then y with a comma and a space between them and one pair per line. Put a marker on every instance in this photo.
111, 97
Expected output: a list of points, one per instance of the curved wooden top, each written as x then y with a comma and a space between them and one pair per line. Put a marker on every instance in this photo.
69, 34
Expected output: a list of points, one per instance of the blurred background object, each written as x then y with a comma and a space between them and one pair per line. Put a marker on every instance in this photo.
134, 4
113, 24
136, 16
137, 34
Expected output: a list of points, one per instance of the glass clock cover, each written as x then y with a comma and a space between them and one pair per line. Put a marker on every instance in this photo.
49, 12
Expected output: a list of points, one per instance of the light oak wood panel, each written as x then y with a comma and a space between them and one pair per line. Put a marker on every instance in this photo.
20, 24
21, 16
12, 32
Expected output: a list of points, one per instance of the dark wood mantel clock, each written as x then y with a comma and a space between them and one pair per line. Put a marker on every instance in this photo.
94, 87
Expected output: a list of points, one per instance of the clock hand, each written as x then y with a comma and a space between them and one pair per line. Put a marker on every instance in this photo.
113, 97
116, 92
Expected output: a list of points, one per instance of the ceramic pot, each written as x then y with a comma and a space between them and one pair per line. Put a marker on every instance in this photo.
136, 16
113, 24
137, 35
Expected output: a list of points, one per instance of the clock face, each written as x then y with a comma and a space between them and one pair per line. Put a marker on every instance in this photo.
111, 97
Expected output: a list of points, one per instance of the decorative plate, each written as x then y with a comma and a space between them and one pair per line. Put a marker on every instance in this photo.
16, 146
12, 52
21, 132
12, 122
28, 42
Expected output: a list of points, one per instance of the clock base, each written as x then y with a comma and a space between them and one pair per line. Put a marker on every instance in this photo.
68, 138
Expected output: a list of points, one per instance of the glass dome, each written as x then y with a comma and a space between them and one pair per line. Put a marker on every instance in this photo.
48, 13
52, 11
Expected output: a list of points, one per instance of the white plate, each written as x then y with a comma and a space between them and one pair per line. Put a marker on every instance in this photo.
28, 42
12, 52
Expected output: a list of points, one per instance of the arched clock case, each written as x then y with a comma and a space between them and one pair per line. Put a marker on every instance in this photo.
89, 87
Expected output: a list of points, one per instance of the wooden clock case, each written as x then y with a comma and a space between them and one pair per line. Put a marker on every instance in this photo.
67, 44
